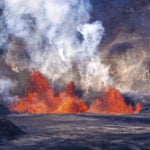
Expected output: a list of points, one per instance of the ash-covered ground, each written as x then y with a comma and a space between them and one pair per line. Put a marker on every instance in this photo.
80, 132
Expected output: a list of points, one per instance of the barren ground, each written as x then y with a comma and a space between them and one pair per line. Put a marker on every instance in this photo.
80, 132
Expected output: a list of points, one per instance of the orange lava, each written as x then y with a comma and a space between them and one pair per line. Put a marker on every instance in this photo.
112, 102
41, 99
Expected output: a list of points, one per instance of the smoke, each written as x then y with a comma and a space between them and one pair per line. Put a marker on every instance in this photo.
57, 38
6, 87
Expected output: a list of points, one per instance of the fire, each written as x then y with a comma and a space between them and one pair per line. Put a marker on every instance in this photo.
41, 99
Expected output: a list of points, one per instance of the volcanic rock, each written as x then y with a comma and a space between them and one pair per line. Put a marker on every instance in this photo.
8, 130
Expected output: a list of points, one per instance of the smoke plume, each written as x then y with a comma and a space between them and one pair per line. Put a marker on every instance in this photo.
57, 38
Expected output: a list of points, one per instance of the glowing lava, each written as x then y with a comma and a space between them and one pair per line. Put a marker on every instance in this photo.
112, 102
41, 99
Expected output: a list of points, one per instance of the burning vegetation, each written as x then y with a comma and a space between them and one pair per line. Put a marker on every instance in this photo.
41, 99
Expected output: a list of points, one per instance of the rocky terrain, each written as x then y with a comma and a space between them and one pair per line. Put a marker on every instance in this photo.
8, 130
80, 132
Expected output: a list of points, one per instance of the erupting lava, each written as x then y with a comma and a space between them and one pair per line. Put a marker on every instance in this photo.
41, 99
112, 102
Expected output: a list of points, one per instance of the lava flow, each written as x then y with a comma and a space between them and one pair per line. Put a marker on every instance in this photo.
41, 99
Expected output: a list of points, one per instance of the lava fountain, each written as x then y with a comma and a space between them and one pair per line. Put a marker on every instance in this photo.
112, 102
41, 99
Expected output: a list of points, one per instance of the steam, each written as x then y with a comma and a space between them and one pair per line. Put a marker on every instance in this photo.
6, 87
57, 38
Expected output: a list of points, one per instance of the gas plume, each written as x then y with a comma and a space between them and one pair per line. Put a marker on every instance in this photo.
56, 38
6, 87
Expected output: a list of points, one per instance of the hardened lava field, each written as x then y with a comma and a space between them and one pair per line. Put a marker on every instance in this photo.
80, 132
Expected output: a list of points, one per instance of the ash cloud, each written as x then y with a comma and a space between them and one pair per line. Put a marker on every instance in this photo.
53, 36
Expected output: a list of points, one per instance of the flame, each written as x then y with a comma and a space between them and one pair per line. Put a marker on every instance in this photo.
41, 99
112, 102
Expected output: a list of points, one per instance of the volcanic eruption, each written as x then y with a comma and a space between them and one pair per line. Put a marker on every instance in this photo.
74, 74
58, 43
41, 99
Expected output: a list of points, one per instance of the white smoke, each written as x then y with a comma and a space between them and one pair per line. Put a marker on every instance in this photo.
6, 86
57, 34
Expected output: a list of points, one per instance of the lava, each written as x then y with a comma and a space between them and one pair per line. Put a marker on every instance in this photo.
41, 99
112, 102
